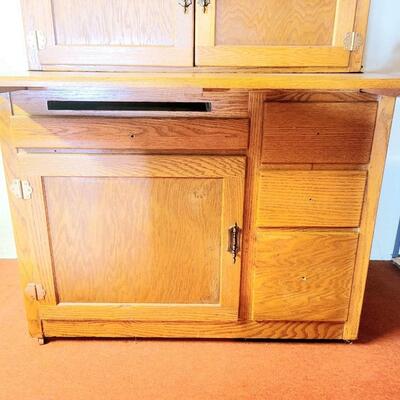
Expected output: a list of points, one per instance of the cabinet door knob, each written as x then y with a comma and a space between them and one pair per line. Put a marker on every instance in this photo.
186, 4
204, 4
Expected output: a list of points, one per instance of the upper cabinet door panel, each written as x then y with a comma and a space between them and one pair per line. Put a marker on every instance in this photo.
119, 33
275, 33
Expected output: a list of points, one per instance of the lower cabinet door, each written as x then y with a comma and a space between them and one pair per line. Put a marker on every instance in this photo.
124, 237
304, 275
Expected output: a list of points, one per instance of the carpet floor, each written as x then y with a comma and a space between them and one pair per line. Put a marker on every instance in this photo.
186, 369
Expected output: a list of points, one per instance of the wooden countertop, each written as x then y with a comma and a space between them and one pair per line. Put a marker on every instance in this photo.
387, 84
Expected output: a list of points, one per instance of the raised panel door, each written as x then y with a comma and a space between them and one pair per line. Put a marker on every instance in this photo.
275, 33
136, 237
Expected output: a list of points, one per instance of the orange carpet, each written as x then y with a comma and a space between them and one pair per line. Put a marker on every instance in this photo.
176, 369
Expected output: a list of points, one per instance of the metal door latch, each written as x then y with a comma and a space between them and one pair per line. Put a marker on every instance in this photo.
234, 241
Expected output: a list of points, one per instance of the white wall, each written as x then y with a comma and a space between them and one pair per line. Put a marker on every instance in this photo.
7, 247
12, 58
382, 55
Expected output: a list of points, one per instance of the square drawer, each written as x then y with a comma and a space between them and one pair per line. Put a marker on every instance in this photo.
324, 132
303, 275
310, 198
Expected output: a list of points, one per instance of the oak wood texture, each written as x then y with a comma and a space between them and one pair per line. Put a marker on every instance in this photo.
327, 228
118, 35
137, 237
360, 26
303, 275
118, 22
161, 244
274, 33
224, 103
22, 223
130, 133
318, 96
207, 80
108, 32
318, 132
368, 217
256, 101
274, 23
248, 329
122, 165
310, 198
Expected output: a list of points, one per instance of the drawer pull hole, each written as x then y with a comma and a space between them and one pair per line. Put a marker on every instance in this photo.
57, 105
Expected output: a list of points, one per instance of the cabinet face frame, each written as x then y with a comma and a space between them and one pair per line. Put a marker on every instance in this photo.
351, 15
231, 170
30, 256
45, 54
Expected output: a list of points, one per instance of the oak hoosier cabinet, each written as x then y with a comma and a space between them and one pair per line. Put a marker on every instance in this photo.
196, 195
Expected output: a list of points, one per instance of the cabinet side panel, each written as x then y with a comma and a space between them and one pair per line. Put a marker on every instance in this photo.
371, 201
20, 219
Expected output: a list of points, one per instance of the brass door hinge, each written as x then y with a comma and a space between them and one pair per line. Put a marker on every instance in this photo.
353, 41
37, 40
35, 291
21, 189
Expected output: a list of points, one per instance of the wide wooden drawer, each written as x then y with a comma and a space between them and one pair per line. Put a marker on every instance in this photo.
310, 198
318, 132
130, 133
303, 275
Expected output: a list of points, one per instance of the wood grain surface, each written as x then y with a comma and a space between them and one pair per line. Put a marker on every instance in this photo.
318, 132
303, 275
130, 133
113, 23
108, 33
276, 34
370, 209
144, 241
135, 240
205, 80
310, 198
275, 22
249, 329
223, 103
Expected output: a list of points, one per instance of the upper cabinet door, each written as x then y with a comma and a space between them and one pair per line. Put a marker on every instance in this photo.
280, 33
113, 34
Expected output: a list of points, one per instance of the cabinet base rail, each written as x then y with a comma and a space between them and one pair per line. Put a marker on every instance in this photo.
222, 330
